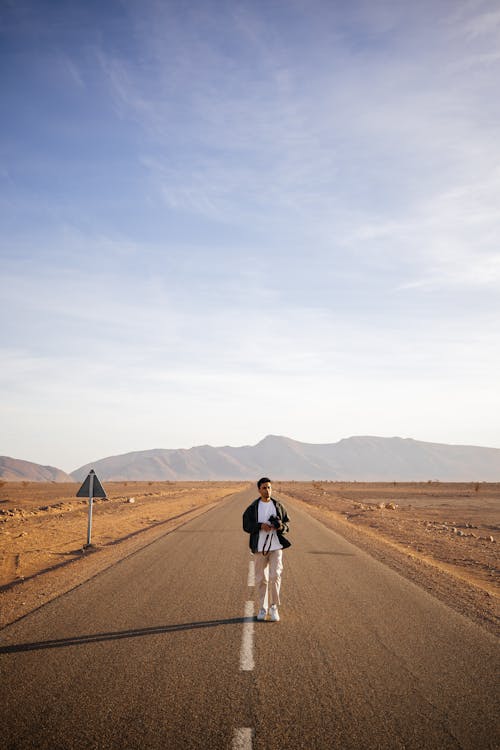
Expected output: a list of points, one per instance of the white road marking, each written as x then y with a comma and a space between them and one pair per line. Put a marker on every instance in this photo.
251, 573
242, 738
246, 654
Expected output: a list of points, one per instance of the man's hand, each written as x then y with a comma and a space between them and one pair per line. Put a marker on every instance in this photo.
266, 527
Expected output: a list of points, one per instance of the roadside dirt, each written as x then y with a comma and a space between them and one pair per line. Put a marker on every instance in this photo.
443, 536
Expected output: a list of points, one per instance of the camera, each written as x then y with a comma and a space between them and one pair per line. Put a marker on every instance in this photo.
274, 521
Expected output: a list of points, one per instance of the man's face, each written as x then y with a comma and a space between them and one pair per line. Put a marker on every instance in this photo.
265, 491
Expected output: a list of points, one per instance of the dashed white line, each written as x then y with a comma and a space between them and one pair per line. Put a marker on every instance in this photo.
251, 573
242, 738
247, 662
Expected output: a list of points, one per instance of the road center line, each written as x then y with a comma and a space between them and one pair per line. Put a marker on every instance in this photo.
246, 653
242, 739
251, 573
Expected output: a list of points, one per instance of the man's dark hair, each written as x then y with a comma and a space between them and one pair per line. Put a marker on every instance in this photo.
263, 480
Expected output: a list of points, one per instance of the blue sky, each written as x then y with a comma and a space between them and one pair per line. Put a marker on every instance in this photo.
222, 220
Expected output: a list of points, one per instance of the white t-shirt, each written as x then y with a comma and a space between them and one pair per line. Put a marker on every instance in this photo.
265, 511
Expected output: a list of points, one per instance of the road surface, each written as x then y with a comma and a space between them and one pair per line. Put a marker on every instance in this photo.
162, 651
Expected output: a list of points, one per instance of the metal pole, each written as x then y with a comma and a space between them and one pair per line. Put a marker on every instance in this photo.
91, 497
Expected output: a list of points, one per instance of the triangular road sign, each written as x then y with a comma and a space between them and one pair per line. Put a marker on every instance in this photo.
97, 488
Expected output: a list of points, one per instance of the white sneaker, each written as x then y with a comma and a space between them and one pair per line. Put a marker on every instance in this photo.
262, 614
273, 613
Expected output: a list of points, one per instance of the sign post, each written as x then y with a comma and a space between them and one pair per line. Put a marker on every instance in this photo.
91, 488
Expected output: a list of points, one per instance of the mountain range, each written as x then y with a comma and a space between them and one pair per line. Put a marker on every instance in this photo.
16, 470
356, 458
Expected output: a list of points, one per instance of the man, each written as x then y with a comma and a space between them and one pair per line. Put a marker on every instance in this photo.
266, 520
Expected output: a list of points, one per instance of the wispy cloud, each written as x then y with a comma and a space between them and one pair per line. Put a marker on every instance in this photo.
262, 143
482, 24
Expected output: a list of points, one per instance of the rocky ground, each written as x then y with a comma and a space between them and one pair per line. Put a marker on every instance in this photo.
445, 537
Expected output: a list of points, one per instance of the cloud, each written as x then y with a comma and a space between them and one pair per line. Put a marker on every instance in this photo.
234, 134
451, 238
482, 24
72, 71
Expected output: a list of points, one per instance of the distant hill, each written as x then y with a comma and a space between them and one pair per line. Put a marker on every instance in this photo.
355, 458
15, 470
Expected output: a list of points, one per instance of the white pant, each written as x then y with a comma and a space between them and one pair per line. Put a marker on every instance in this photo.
268, 577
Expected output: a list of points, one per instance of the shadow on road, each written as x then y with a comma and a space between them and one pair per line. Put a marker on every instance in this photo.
329, 552
81, 640
229, 530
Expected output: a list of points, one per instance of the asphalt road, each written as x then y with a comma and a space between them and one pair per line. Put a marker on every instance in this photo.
147, 655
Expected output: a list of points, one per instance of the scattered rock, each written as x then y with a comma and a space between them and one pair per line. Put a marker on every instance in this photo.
391, 506
131, 500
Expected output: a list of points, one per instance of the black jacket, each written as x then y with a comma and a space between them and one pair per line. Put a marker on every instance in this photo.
252, 526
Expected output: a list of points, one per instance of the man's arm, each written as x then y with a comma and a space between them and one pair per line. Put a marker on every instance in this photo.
250, 525
283, 516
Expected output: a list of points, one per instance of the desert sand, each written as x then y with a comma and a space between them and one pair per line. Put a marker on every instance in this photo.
442, 536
